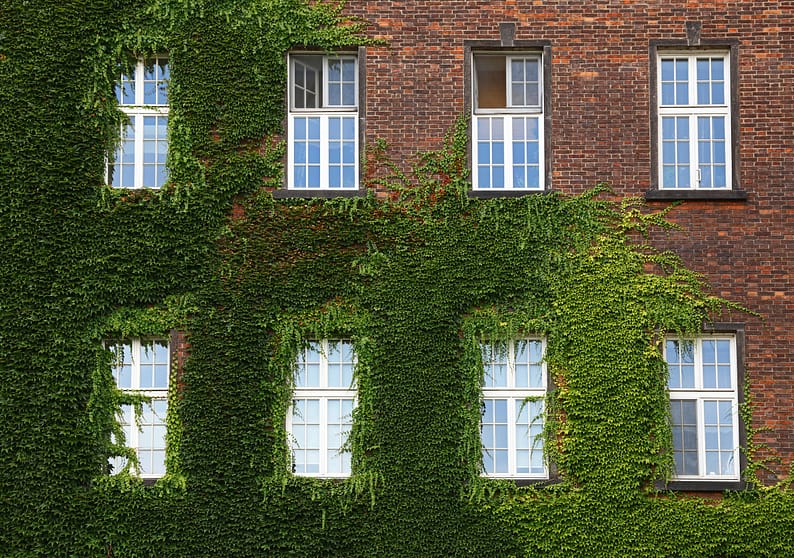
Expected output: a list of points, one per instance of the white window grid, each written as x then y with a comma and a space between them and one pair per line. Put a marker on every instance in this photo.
694, 120
513, 393
508, 151
142, 366
704, 404
322, 135
140, 160
320, 419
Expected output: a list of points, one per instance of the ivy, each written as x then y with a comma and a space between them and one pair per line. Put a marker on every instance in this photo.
417, 278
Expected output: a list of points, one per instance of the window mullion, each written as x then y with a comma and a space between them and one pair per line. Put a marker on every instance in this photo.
138, 127
511, 435
325, 149
694, 160
138, 82
508, 151
325, 82
324, 434
701, 434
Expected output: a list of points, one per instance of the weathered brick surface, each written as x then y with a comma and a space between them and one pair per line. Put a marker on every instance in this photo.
601, 132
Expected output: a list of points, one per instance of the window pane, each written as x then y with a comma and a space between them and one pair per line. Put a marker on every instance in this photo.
524, 82
684, 425
490, 81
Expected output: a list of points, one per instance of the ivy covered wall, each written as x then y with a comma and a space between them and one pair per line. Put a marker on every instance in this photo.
416, 278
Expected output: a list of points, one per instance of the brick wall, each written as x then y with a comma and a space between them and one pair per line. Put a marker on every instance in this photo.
601, 132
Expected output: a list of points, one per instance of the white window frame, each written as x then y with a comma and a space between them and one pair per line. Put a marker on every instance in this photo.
324, 113
517, 397
510, 117
155, 394
324, 392
692, 111
701, 395
135, 113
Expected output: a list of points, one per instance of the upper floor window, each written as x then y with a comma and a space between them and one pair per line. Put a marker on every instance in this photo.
704, 407
323, 149
321, 416
694, 120
508, 120
513, 390
142, 367
139, 161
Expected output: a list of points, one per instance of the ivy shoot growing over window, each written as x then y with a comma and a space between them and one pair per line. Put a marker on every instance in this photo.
139, 162
142, 367
320, 418
511, 428
704, 407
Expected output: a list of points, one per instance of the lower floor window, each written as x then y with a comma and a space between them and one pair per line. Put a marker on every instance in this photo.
704, 407
142, 367
139, 161
321, 416
511, 427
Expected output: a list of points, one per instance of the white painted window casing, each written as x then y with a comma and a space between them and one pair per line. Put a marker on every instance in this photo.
704, 406
508, 122
694, 120
513, 392
320, 417
143, 367
322, 134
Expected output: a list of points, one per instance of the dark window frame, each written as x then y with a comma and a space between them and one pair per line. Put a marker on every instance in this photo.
658, 47
284, 192
542, 47
737, 329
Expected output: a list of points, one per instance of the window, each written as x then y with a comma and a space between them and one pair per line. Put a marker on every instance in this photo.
694, 120
323, 122
508, 127
704, 407
139, 162
142, 367
320, 419
511, 428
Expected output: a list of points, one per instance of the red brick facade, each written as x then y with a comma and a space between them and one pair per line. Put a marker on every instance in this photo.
601, 98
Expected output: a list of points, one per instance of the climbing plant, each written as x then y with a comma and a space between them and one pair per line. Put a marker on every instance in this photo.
417, 278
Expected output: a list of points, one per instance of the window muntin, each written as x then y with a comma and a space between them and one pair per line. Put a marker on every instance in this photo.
323, 122
320, 418
508, 117
704, 407
694, 120
513, 391
142, 367
139, 162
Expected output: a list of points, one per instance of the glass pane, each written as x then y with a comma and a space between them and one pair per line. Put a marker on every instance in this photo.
313, 153
498, 153
498, 174
348, 95
483, 177
501, 461
334, 153
517, 93
313, 128
490, 81
334, 128
313, 178
483, 153
348, 177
